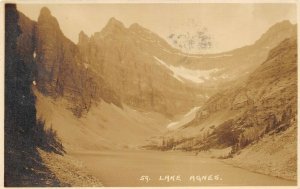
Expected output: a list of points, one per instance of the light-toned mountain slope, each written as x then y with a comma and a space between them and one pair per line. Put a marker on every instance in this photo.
274, 155
105, 125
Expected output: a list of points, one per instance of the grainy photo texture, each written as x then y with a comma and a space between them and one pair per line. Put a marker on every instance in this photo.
150, 94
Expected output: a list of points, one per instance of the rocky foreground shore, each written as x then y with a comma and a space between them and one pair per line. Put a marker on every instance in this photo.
68, 171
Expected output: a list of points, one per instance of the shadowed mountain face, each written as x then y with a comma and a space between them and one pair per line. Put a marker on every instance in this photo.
103, 67
23, 133
133, 66
59, 68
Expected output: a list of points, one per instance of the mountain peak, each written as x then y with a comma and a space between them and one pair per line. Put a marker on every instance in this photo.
82, 34
278, 30
47, 22
284, 22
113, 26
138, 28
45, 12
83, 37
114, 22
281, 25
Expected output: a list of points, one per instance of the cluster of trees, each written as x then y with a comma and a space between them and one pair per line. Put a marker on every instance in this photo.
169, 144
229, 134
226, 134
186, 144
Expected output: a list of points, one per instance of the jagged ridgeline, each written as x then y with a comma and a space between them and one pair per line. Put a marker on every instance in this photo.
59, 69
77, 72
132, 66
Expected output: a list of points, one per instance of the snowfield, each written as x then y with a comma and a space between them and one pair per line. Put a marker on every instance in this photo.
181, 73
184, 119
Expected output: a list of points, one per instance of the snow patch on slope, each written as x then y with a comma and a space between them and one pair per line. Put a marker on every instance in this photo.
189, 116
180, 73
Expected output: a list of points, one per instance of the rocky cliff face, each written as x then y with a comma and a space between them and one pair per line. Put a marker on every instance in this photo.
266, 131
56, 55
270, 88
26, 39
273, 90
133, 66
110, 66
60, 69
122, 57
23, 133
264, 105
122, 64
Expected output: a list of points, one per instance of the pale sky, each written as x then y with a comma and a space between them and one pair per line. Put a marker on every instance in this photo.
230, 26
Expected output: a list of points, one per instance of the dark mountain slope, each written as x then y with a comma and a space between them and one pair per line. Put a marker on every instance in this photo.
59, 71
23, 134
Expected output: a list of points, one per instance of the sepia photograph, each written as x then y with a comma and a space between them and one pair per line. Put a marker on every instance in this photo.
150, 94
